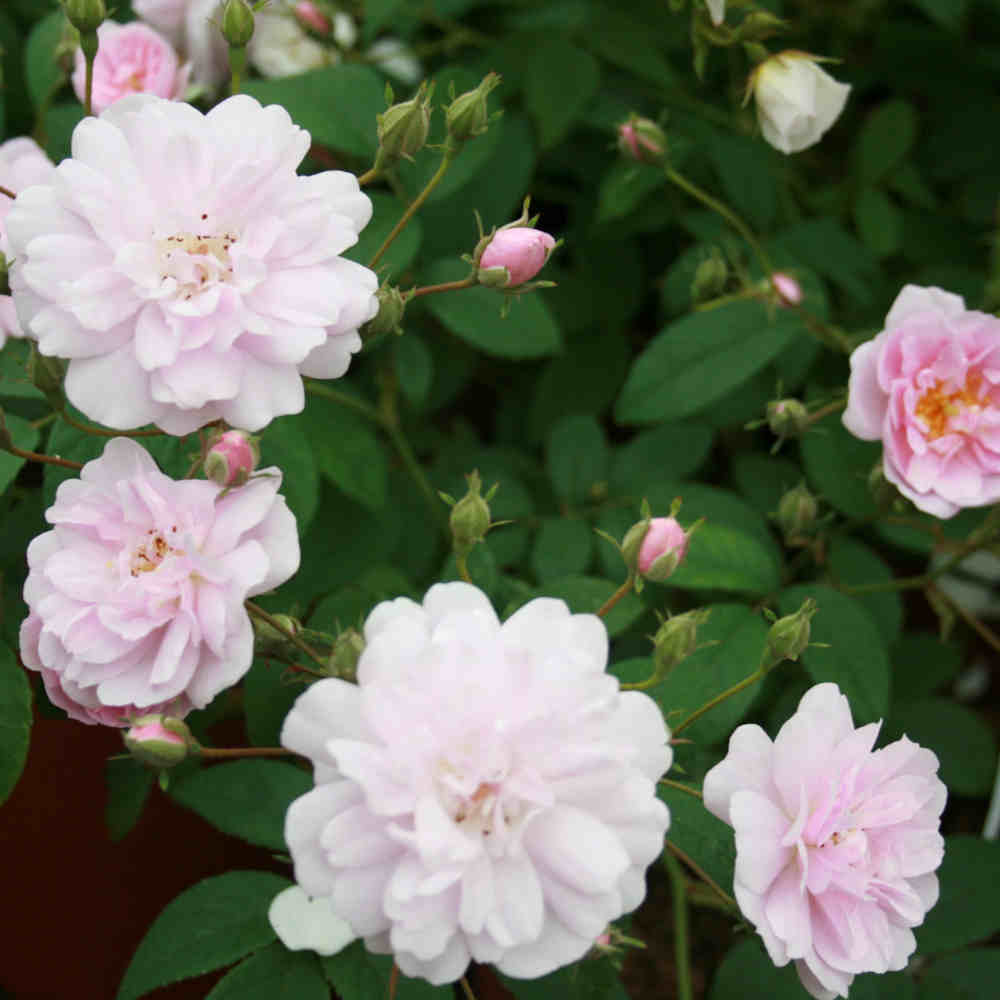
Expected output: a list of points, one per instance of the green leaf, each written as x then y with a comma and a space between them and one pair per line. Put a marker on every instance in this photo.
624, 187
963, 742
967, 910
552, 64
268, 696
576, 456
414, 365
837, 465
764, 479
738, 635
42, 71
922, 663
25, 437
274, 973
967, 975
287, 443
336, 105
473, 315
596, 979
60, 122
245, 798
387, 211
356, 974
885, 140
212, 924
667, 452
563, 547
747, 973
879, 222
15, 720
700, 359
379, 13
857, 659
14, 381
744, 167
851, 562
128, 784
585, 594
948, 13
348, 451
724, 558
701, 836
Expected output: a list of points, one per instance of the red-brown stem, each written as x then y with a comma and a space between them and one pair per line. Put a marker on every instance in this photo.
104, 432
7, 191
393, 981
34, 456
445, 286
615, 597
233, 753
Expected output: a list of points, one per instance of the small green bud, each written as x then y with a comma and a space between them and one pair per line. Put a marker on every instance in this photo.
470, 517
86, 15
642, 140
468, 114
760, 25
788, 637
710, 278
48, 374
883, 492
237, 23
402, 129
675, 640
270, 641
346, 652
787, 418
158, 740
391, 306
632, 542
797, 513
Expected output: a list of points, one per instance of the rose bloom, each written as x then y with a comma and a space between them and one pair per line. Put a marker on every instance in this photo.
186, 271
484, 792
192, 26
797, 102
22, 163
131, 58
136, 595
836, 843
929, 386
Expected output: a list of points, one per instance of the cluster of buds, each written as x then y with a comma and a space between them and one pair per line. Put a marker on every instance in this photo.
403, 128
231, 458
654, 547
788, 637
159, 740
470, 517
509, 257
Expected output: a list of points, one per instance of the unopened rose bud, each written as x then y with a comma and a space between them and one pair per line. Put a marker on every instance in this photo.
788, 637
47, 375
86, 15
710, 278
514, 256
468, 114
311, 17
271, 641
232, 458
788, 290
642, 140
787, 418
797, 513
470, 517
675, 640
883, 492
237, 23
158, 740
402, 129
797, 102
663, 549
759, 25
391, 306
346, 652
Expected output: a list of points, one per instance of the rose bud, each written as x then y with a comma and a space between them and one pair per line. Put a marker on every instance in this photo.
158, 740
787, 418
514, 256
788, 637
232, 458
310, 16
642, 140
789, 291
662, 550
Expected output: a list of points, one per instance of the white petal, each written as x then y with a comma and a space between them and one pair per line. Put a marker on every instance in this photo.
303, 923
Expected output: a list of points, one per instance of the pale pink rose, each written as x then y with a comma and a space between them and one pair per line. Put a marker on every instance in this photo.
663, 548
131, 59
136, 595
22, 163
929, 386
484, 792
836, 843
186, 271
231, 459
192, 26
788, 289
522, 251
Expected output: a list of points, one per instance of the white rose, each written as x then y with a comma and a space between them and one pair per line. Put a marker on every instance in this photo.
796, 101
281, 47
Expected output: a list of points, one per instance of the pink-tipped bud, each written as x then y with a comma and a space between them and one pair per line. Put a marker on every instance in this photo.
642, 140
158, 741
514, 256
310, 16
663, 549
788, 289
231, 459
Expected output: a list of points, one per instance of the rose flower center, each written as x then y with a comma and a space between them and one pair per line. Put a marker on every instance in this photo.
938, 406
195, 261
151, 552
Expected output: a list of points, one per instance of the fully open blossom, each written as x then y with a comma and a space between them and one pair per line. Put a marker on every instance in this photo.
136, 595
836, 843
929, 386
185, 269
484, 792
797, 102
22, 163
131, 58
192, 26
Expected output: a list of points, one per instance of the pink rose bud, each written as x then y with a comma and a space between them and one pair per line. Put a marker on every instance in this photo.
158, 741
663, 549
643, 140
310, 16
603, 940
521, 252
131, 59
231, 459
788, 289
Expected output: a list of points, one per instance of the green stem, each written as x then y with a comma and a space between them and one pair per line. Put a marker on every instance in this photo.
45, 421
234, 753
89, 84
681, 787
702, 874
825, 411
414, 206
719, 699
446, 286
980, 628
344, 399
237, 64
466, 989
463, 567
367, 177
725, 211
682, 957
259, 612
103, 432
621, 592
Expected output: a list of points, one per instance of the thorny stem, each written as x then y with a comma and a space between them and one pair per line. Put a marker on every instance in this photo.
681, 787
414, 206
103, 432
232, 753
446, 286
621, 592
259, 612
682, 958
702, 874
720, 698
7, 191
